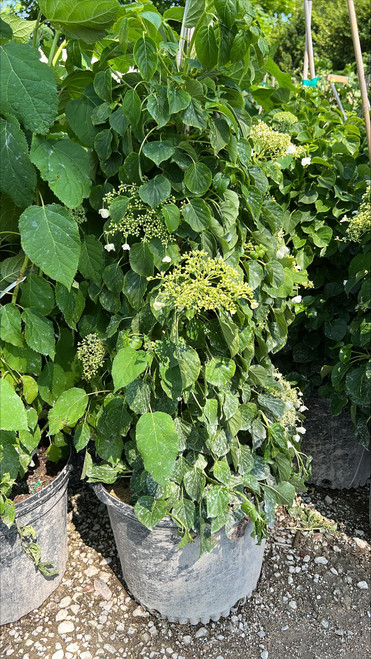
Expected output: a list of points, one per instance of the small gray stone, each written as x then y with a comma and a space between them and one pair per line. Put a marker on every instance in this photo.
284, 628
61, 615
325, 624
201, 632
139, 612
320, 560
109, 648
264, 655
187, 640
328, 500
66, 601
362, 585
293, 605
102, 589
91, 571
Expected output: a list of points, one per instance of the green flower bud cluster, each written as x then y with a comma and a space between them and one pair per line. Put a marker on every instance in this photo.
204, 283
91, 352
139, 219
270, 144
361, 223
79, 214
292, 397
284, 120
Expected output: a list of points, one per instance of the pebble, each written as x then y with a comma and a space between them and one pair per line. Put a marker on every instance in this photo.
293, 605
325, 624
201, 632
66, 627
102, 589
109, 648
284, 628
328, 500
264, 655
85, 655
320, 560
362, 585
140, 613
58, 655
334, 570
61, 615
65, 602
187, 640
91, 571
306, 558
362, 544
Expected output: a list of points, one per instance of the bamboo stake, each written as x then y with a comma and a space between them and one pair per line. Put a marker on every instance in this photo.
361, 73
337, 98
306, 58
308, 34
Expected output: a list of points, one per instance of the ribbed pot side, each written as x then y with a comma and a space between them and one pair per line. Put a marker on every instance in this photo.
177, 583
22, 587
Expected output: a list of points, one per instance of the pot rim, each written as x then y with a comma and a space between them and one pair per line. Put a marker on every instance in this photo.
37, 499
126, 509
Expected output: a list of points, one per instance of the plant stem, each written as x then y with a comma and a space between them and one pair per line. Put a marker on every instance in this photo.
20, 277
34, 36
57, 54
54, 47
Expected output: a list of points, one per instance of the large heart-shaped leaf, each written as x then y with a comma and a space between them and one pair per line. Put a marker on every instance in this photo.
206, 46
198, 178
12, 411
50, 238
65, 165
81, 19
17, 175
127, 365
145, 57
39, 332
158, 151
68, 409
197, 214
158, 444
155, 191
27, 87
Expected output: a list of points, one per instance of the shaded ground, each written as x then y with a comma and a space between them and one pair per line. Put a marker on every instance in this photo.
312, 600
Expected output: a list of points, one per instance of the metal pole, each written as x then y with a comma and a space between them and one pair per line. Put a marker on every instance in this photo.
361, 73
308, 35
337, 97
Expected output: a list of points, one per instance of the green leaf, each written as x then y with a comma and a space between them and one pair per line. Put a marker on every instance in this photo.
171, 215
91, 259
30, 388
193, 12
227, 11
141, 259
113, 421
219, 134
83, 20
322, 236
79, 113
145, 56
285, 493
358, 385
10, 325
194, 115
217, 499
6, 31
230, 333
158, 107
65, 166
185, 510
81, 437
17, 175
189, 364
113, 278
206, 46
158, 444
50, 238
37, 293
194, 482
39, 332
22, 359
336, 329
138, 396
68, 409
283, 79
71, 303
131, 106
150, 511
254, 201
275, 405
178, 99
103, 144
198, 178
12, 411
9, 458
222, 472
255, 274
197, 214
219, 371
127, 365
54, 380
27, 87
155, 191
134, 288
158, 151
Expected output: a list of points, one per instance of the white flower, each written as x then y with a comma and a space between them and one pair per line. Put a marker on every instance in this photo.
110, 247
297, 299
254, 304
302, 431
296, 438
344, 219
126, 247
289, 445
306, 161
104, 212
282, 252
302, 408
158, 305
291, 149
166, 259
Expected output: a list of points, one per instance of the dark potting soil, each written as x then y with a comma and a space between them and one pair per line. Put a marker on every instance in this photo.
37, 477
121, 490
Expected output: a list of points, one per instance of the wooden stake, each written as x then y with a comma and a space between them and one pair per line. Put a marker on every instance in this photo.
361, 73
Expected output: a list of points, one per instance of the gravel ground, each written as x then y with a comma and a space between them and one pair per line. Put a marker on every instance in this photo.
312, 599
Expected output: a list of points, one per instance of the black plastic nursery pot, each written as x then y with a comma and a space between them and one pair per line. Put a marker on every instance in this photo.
338, 460
177, 583
22, 586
